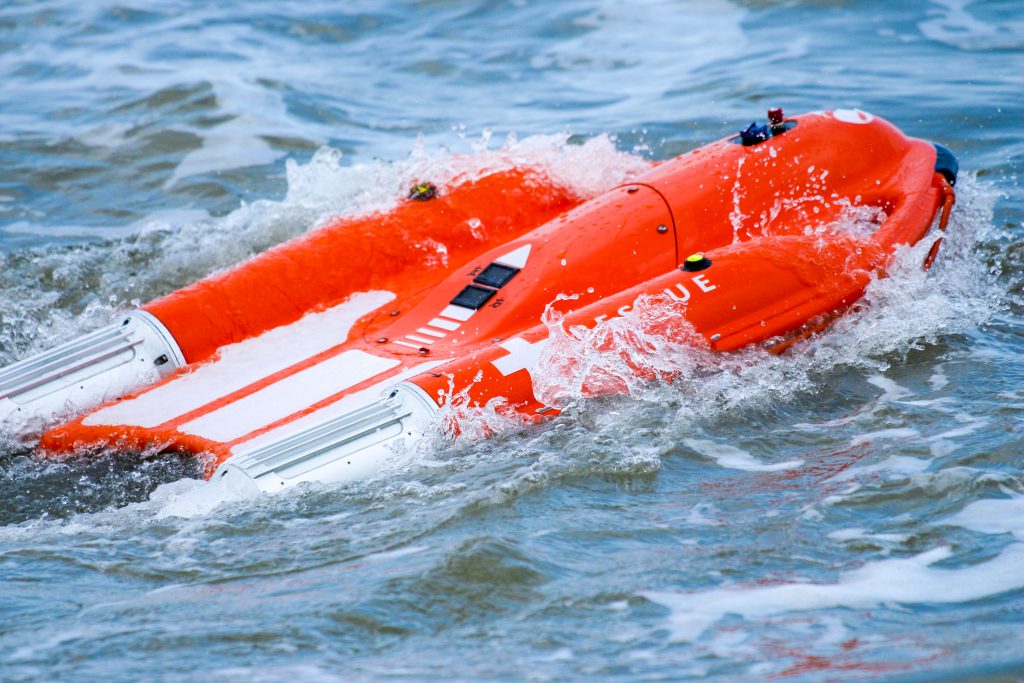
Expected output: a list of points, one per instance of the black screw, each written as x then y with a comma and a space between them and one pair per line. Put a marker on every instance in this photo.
662, 229
382, 340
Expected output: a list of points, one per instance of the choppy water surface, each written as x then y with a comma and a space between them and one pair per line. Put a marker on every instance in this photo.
853, 510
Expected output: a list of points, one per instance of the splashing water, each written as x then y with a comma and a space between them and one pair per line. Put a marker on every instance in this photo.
902, 312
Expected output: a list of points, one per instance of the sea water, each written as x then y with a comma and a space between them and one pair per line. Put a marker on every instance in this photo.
850, 510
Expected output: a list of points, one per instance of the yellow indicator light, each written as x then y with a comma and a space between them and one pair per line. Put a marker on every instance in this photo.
695, 262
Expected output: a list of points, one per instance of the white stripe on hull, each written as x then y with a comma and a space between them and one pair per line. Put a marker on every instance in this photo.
288, 396
241, 364
445, 324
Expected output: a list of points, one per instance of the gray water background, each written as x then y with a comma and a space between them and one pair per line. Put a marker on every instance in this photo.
851, 511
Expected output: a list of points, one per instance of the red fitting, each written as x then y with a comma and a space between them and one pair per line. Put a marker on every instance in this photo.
775, 116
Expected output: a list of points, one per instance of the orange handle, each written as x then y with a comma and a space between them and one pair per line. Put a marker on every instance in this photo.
948, 199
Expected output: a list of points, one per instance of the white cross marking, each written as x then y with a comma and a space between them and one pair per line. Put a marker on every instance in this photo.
522, 355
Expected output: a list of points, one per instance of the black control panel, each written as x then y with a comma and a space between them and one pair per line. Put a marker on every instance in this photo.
496, 275
473, 297
493, 277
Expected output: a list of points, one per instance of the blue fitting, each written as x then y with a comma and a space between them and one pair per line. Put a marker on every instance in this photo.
946, 163
754, 133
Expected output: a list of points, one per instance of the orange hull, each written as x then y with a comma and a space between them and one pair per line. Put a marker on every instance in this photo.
445, 296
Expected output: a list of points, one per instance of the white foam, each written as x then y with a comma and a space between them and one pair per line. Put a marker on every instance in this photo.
1003, 516
156, 220
938, 380
905, 581
734, 458
959, 27
893, 467
189, 498
858, 534
965, 430
891, 391
699, 515
896, 433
